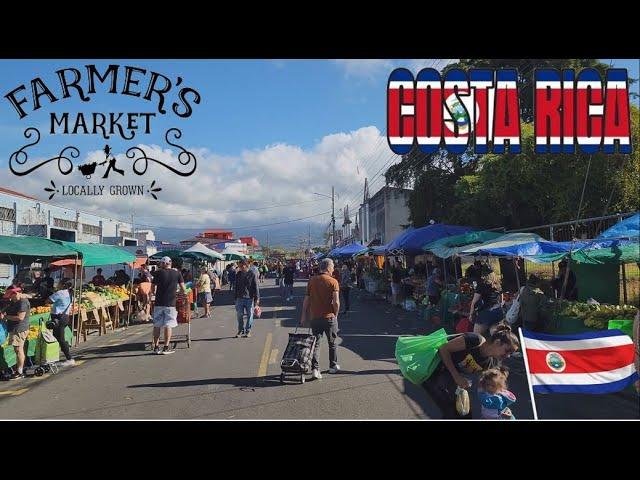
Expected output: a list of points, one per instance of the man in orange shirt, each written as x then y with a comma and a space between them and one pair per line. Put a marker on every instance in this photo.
320, 311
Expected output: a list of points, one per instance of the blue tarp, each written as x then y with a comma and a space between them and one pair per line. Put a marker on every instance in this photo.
412, 241
629, 228
347, 251
380, 250
533, 248
505, 241
319, 256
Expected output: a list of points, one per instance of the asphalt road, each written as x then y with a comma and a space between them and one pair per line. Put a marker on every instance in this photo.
222, 377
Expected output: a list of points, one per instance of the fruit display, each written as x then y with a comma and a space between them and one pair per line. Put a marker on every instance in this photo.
40, 310
465, 287
597, 316
34, 331
111, 293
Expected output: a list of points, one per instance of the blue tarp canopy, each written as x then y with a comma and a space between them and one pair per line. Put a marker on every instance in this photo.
531, 249
412, 241
508, 240
347, 251
629, 228
379, 251
319, 256
449, 246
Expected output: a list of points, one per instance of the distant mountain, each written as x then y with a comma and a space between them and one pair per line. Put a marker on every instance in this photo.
288, 235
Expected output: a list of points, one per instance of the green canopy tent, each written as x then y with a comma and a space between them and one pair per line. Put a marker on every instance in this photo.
616, 254
19, 250
230, 255
96, 254
172, 254
200, 251
257, 256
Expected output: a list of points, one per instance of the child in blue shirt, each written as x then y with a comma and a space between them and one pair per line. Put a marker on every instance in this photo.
494, 396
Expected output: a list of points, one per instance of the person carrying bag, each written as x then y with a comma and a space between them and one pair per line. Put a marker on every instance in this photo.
61, 302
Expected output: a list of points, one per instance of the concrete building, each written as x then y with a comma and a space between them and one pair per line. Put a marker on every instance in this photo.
25, 215
383, 215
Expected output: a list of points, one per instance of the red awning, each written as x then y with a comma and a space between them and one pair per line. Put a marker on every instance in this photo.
139, 262
65, 262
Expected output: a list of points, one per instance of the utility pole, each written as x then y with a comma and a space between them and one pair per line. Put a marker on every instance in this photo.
333, 215
133, 230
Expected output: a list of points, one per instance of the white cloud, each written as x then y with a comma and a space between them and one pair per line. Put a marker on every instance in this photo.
274, 175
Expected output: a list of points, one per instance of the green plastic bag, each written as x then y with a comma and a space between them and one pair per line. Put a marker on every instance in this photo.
418, 356
626, 326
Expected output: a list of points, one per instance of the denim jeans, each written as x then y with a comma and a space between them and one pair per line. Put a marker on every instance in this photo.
328, 326
242, 305
288, 290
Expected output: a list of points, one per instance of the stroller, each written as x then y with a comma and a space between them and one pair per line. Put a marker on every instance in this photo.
296, 359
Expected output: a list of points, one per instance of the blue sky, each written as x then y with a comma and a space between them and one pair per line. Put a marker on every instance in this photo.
267, 132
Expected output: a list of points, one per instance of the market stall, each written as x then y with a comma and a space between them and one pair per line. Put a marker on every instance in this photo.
99, 308
19, 250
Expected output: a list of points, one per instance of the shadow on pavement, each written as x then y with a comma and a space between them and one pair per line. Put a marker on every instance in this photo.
116, 351
215, 339
242, 382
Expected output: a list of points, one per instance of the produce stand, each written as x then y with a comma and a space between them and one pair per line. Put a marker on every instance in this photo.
578, 317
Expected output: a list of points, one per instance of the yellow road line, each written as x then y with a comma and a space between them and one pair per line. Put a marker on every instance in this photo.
274, 356
264, 361
14, 392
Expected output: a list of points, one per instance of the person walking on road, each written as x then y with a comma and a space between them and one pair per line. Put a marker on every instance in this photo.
231, 276
288, 273
254, 268
165, 315
60, 304
346, 282
320, 312
204, 292
247, 295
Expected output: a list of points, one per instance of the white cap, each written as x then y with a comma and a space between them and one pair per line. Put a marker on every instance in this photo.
165, 260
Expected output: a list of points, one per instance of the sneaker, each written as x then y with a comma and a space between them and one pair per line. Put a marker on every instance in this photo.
315, 374
239, 334
68, 363
156, 350
16, 375
167, 350
334, 369
247, 334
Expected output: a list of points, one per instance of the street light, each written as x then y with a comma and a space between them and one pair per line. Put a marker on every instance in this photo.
333, 216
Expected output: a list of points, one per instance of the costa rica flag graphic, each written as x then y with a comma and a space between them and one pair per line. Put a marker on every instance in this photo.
594, 362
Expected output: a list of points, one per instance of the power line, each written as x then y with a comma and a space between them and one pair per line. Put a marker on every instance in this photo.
241, 227
230, 211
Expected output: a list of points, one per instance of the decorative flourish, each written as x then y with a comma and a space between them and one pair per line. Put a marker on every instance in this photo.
184, 157
152, 190
20, 156
54, 190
